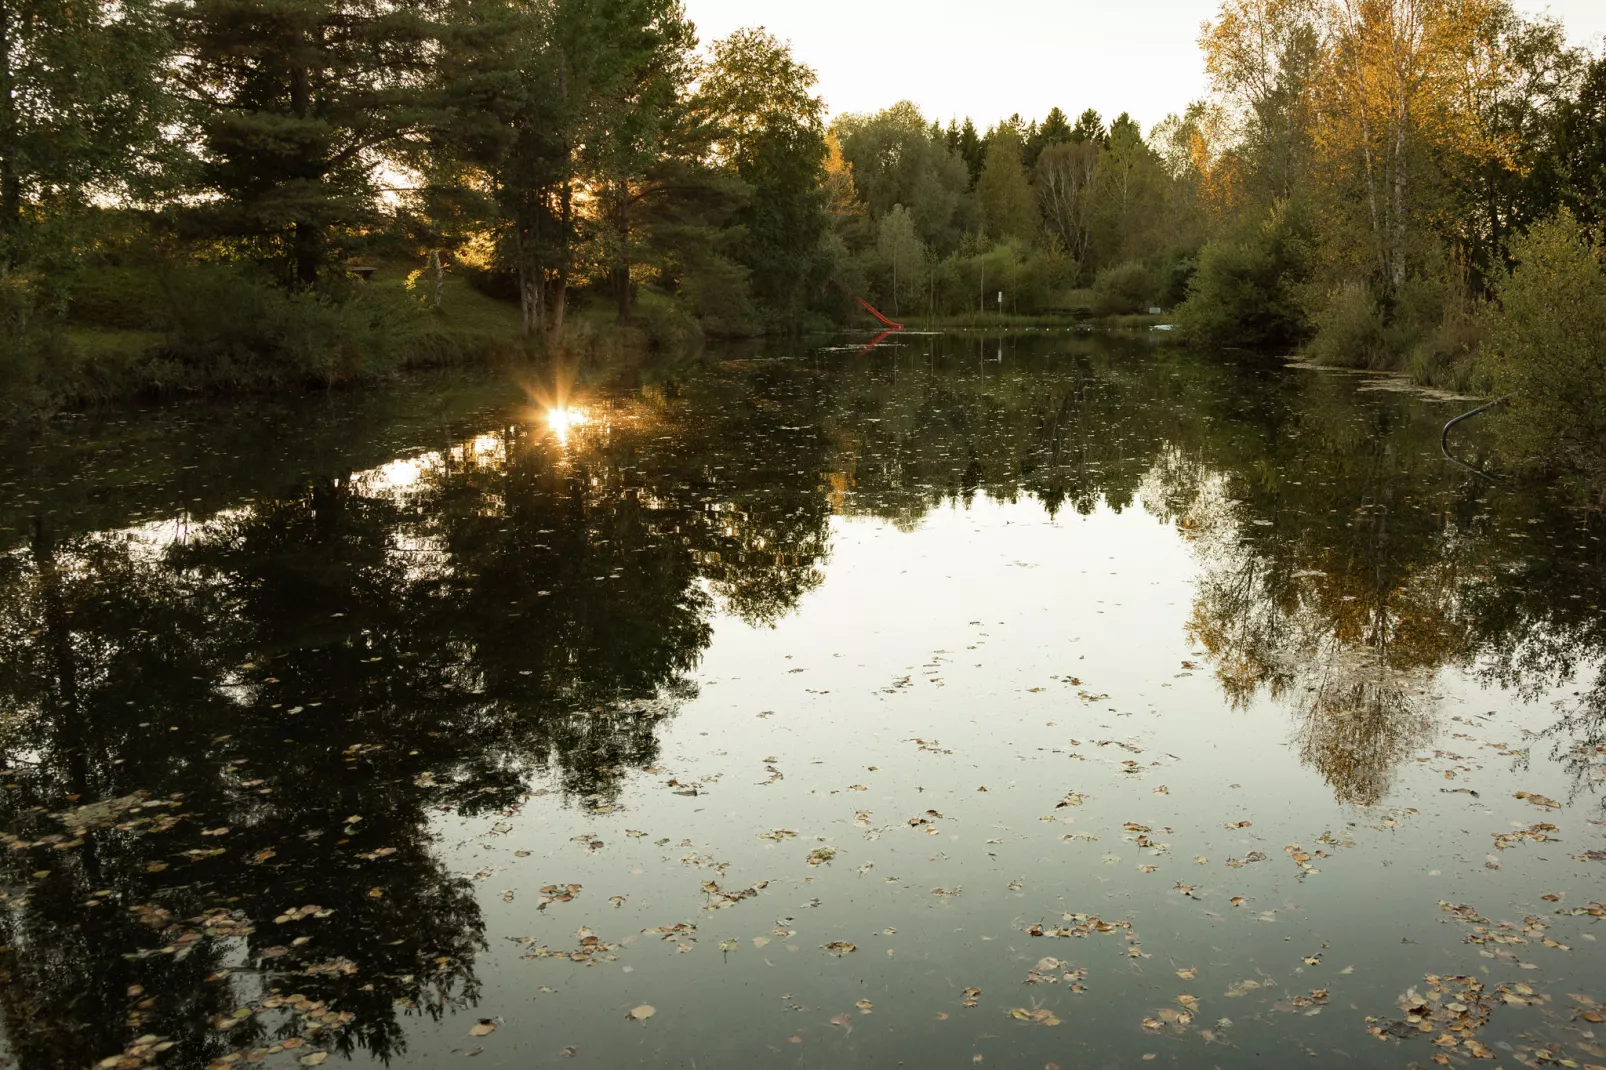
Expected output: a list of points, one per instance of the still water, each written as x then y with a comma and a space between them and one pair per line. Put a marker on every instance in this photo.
1044, 701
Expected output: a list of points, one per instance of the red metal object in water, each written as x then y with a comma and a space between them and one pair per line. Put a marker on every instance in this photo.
868, 307
877, 340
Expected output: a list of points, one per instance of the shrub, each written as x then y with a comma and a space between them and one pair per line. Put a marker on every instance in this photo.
1547, 348
1448, 355
1350, 332
35, 362
1125, 288
232, 327
1243, 290
116, 297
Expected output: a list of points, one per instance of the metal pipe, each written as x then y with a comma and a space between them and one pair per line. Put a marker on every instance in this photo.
1444, 437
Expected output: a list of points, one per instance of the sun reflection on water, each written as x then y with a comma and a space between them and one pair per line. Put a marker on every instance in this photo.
563, 419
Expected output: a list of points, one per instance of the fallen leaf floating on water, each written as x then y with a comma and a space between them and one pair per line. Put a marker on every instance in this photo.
971, 996
1538, 800
1074, 798
1240, 825
865, 1006
1539, 833
317, 1058
1188, 974
841, 947
484, 1029
821, 855
641, 1013
1036, 1015
843, 1022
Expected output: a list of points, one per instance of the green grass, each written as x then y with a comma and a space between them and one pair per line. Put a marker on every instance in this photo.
995, 321
98, 344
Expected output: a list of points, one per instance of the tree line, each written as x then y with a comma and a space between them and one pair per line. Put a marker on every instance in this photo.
1415, 186
536, 147
1400, 184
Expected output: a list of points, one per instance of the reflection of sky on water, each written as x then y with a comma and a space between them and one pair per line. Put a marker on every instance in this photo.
901, 610
983, 666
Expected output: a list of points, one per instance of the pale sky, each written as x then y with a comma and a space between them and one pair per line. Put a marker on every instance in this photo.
996, 57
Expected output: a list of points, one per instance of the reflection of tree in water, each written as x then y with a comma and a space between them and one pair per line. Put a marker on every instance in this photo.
276, 705
1331, 593
222, 754
1343, 564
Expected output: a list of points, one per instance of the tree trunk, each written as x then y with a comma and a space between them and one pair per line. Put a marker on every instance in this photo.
10, 174
621, 268
1397, 259
440, 279
532, 280
307, 246
306, 237
560, 281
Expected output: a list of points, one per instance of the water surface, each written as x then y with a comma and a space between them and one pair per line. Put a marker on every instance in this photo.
1026, 701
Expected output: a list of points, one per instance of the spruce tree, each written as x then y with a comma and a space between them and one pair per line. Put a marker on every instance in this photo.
1089, 127
297, 102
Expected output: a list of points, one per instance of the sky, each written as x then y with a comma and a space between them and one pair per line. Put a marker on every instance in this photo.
992, 58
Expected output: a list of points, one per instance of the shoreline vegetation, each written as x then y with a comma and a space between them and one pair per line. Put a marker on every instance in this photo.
198, 196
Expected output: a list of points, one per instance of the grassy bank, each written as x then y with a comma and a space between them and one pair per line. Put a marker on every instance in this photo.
992, 321
131, 332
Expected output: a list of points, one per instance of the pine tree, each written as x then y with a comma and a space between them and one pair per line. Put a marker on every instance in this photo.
971, 150
1055, 129
1089, 127
296, 102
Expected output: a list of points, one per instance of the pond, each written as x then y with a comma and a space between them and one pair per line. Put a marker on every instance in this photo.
1027, 701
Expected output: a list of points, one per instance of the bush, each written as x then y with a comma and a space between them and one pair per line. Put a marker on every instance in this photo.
1547, 348
228, 326
1448, 356
116, 297
1125, 288
1350, 332
1243, 290
35, 362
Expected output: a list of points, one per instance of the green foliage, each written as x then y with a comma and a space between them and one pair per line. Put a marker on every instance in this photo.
1244, 291
895, 160
33, 356
237, 329
1350, 332
296, 101
1580, 147
81, 107
1089, 127
1006, 197
771, 132
1548, 350
1125, 288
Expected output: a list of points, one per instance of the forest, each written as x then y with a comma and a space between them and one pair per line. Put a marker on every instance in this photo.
226, 194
